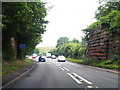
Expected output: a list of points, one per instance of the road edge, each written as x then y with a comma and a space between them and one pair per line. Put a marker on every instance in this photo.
102, 69
34, 64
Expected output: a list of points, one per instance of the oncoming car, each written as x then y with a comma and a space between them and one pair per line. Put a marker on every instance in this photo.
61, 59
42, 59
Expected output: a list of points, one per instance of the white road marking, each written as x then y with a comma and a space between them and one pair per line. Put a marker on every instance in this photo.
82, 78
19, 76
62, 68
96, 87
66, 69
74, 78
59, 65
89, 87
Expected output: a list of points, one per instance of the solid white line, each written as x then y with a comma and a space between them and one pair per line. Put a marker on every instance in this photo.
62, 68
18, 77
82, 78
74, 78
66, 69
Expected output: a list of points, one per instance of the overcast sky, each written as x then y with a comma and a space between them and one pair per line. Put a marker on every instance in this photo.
67, 18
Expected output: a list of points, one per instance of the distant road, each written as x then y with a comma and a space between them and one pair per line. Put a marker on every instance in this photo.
53, 74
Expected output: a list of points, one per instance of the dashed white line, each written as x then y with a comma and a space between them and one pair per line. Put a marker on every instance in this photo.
59, 65
74, 78
82, 78
62, 68
89, 87
74, 75
66, 69
96, 87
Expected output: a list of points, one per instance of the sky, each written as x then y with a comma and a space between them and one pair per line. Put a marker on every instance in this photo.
67, 18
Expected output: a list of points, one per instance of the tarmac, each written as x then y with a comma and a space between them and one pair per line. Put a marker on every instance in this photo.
9, 78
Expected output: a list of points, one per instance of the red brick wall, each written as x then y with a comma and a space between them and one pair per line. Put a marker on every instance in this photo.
102, 45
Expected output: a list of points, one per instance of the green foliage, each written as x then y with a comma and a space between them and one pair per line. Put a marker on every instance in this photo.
70, 50
37, 51
108, 64
75, 60
75, 41
53, 51
25, 22
109, 13
90, 28
1, 25
62, 40
8, 67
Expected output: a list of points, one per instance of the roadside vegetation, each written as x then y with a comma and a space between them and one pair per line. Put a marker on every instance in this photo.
11, 66
23, 24
74, 51
108, 64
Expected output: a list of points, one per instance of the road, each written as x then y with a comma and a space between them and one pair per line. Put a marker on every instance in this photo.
53, 74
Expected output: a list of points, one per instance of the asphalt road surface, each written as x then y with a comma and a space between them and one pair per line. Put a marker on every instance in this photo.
53, 74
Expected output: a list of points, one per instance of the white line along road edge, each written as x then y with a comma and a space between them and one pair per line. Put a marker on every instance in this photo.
74, 78
18, 77
88, 82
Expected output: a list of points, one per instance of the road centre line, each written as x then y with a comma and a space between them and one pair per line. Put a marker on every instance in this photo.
59, 65
66, 69
89, 87
74, 78
62, 68
82, 78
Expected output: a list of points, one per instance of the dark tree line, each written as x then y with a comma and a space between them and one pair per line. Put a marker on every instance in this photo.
24, 22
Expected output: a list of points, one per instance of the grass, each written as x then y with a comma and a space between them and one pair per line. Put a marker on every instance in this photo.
75, 60
108, 64
8, 67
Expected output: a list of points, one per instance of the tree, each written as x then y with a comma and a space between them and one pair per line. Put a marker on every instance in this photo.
109, 13
62, 40
91, 29
23, 21
70, 50
37, 51
75, 41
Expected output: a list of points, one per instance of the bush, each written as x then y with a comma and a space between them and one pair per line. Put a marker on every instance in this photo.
108, 64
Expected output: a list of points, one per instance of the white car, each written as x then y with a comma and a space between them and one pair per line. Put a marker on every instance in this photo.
61, 59
53, 57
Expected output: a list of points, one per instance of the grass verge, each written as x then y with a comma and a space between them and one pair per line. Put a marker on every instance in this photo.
8, 67
108, 64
